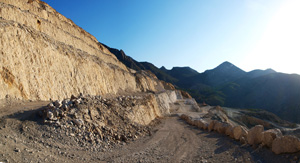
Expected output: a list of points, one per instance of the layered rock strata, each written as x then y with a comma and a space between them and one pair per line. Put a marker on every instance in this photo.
45, 55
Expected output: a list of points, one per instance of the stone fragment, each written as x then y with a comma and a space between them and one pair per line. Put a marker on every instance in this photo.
57, 103
65, 102
50, 115
51, 106
79, 122
255, 135
73, 97
64, 107
77, 101
17, 150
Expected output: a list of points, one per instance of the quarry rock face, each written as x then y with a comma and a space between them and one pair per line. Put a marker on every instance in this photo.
45, 55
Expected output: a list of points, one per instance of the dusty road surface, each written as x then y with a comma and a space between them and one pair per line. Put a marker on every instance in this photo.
175, 141
23, 138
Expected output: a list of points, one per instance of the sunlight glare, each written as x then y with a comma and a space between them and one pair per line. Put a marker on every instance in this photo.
279, 47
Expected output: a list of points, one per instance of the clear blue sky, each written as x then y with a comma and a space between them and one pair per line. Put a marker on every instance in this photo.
252, 34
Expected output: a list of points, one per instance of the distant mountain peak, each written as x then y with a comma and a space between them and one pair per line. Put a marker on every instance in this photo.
184, 67
226, 64
270, 70
225, 72
163, 68
227, 67
258, 73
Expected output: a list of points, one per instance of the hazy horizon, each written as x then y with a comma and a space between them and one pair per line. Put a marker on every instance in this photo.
251, 34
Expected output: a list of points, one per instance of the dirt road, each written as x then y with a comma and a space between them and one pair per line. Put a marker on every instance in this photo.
175, 141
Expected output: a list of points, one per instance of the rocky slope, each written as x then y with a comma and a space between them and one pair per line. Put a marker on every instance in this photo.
133, 64
45, 55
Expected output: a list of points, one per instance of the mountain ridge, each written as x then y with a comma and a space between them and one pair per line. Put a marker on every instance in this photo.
228, 85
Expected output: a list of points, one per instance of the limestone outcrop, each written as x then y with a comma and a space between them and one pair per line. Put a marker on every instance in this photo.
45, 55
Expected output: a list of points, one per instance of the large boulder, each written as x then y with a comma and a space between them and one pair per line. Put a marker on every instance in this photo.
194, 122
286, 144
228, 130
255, 135
269, 136
239, 132
199, 124
217, 126
205, 125
202, 124
220, 127
211, 125
184, 117
190, 121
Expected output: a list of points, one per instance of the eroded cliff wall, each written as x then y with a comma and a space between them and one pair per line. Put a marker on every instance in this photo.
45, 55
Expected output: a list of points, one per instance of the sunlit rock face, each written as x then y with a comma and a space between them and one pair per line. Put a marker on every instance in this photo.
45, 55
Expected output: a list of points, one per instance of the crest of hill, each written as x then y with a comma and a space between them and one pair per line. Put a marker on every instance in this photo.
138, 66
258, 73
181, 72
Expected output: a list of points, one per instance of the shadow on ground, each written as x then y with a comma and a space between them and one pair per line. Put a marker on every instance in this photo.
29, 115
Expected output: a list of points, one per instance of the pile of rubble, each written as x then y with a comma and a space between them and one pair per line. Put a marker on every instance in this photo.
256, 136
96, 120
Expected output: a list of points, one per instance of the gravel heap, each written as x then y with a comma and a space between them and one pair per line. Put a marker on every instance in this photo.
94, 120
